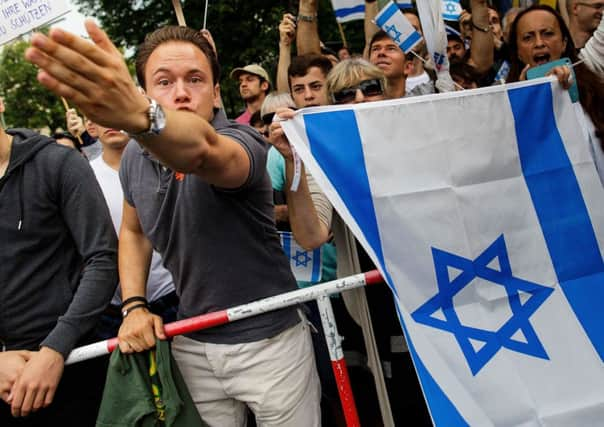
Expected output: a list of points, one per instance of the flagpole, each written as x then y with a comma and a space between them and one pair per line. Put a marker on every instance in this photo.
342, 35
205, 15
180, 17
244, 311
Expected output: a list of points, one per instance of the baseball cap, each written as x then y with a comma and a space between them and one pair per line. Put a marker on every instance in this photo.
254, 69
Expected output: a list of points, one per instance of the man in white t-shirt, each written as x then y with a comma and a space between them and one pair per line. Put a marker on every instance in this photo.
160, 288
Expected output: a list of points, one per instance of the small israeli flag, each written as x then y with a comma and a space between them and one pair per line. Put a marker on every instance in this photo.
306, 265
451, 10
392, 21
348, 10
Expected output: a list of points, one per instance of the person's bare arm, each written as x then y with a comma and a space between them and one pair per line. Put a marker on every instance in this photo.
482, 51
308, 230
307, 37
287, 34
94, 77
140, 327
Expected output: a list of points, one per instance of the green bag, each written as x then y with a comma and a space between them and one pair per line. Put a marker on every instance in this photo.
146, 390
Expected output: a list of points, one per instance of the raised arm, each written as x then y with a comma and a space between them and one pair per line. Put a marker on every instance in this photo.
307, 37
482, 51
94, 77
287, 34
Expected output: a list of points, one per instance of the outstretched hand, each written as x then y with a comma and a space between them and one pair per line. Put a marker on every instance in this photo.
93, 76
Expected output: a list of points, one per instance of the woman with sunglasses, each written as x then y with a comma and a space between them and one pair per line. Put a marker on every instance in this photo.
354, 81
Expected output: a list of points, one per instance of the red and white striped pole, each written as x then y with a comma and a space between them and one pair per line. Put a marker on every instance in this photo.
338, 363
209, 320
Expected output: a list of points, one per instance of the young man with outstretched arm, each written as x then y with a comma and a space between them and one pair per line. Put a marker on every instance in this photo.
197, 190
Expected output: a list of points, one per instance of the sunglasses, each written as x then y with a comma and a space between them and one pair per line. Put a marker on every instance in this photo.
267, 119
371, 87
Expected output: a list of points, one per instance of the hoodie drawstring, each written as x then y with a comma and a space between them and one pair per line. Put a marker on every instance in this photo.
21, 197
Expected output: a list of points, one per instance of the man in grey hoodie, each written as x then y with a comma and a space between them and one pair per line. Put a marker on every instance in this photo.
57, 274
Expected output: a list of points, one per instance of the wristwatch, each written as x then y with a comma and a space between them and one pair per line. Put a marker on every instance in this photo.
157, 120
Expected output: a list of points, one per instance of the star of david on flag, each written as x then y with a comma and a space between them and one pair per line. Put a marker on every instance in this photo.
488, 230
490, 341
451, 10
397, 26
306, 265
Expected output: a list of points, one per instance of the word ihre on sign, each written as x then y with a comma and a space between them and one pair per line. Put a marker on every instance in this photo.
18, 17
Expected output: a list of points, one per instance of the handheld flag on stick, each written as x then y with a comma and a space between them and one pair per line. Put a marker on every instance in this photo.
489, 231
435, 34
451, 10
397, 26
348, 10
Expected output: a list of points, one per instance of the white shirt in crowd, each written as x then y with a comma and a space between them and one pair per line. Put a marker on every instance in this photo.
160, 281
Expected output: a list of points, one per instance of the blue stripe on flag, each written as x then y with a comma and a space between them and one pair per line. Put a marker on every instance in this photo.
316, 265
404, 5
387, 14
410, 41
442, 410
286, 243
560, 207
345, 11
336, 158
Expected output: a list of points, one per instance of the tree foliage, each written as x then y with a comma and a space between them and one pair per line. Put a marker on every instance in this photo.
245, 31
28, 104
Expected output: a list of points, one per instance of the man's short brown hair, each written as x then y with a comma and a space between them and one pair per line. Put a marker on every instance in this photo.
172, 33
300, 65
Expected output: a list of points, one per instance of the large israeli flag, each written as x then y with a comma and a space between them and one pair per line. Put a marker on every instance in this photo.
484, 212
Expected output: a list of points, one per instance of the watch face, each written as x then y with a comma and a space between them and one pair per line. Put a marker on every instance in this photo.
159, 121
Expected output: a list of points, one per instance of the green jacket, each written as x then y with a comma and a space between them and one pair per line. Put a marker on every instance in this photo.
146, 390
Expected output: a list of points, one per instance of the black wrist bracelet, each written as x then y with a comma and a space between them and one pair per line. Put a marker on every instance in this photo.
127, 311
133, 299
486, 29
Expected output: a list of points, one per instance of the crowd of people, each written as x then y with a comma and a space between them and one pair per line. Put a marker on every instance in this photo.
198, 202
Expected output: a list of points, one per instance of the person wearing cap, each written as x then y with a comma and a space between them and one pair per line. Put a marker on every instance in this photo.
254, 85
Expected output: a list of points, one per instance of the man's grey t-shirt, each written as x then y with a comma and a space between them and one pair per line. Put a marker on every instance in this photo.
221, 246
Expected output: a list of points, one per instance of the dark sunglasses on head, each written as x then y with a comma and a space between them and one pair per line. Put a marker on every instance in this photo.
267, 119
371, 87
